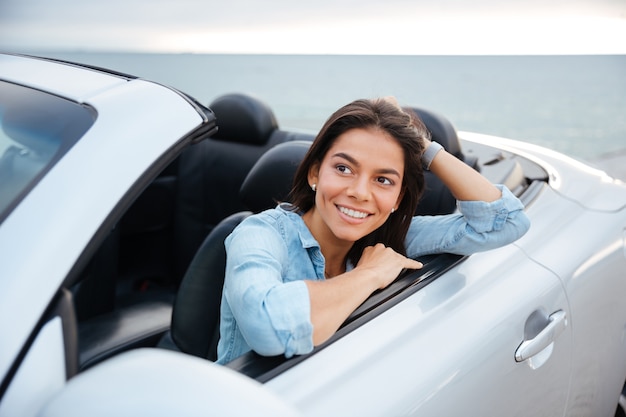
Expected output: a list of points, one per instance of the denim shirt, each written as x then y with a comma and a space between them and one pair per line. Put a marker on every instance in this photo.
265, 303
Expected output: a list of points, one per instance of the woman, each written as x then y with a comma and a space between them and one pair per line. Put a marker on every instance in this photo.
296, 272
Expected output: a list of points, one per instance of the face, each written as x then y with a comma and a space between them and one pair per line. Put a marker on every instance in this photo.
358, 183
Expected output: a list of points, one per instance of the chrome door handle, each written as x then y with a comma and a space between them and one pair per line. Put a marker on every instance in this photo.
531, 347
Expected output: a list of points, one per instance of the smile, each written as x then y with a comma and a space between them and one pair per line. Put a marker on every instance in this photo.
353, 213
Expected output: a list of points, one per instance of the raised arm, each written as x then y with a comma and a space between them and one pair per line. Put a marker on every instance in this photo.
489, 215
465, 183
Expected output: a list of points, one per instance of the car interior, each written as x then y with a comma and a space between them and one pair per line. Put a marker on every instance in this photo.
156, 279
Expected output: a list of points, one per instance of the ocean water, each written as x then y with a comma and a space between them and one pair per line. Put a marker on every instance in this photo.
572, 104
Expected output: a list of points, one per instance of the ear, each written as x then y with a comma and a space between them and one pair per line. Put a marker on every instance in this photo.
313, 173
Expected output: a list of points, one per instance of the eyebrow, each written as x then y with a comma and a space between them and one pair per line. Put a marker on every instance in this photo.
357, 164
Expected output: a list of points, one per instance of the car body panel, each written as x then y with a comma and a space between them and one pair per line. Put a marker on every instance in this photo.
587, 186
84, 83
42, 373
182, 385
137, 123
585, 210
592, 269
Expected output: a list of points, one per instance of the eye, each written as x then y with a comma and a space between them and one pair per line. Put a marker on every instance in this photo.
384, 181
343, 169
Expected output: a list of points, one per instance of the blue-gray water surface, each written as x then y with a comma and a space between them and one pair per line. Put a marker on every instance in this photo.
572, 104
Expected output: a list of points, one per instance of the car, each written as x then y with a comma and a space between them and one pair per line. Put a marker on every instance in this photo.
116, 194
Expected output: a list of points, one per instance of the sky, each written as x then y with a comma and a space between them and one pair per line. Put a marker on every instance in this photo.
405, 27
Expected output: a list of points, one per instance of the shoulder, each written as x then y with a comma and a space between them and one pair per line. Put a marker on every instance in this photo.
278, 222
272, 218
265, 220
272, 235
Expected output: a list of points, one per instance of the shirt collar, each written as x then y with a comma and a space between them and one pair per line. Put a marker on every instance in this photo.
295, 216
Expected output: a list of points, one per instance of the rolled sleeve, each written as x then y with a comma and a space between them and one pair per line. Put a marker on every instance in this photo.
485, 217
292, 325
273, 316
478, 226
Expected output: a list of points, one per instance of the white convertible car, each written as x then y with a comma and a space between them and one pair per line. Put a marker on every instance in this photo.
116, 194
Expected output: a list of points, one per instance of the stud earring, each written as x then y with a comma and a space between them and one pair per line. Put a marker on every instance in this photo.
393, 210
314, 187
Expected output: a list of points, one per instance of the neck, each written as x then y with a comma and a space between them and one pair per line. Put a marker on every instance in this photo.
334, 267
334, 250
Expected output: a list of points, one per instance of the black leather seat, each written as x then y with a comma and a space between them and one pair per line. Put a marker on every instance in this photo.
211, 172
195, 317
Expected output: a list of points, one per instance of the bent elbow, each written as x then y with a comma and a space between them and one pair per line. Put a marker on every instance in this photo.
267, 347
521, 224
289, 343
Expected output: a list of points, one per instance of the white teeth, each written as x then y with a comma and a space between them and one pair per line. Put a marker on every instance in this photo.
353, 213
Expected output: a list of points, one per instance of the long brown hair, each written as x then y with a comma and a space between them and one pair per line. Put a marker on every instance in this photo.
407, 129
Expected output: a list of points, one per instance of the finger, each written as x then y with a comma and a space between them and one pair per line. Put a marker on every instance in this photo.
413, 264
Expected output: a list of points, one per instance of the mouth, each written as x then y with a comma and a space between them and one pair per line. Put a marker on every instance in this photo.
354, 214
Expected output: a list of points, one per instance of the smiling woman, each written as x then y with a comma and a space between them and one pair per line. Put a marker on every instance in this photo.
349, 166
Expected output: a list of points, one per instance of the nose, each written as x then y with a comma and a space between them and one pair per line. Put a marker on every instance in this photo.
359, 189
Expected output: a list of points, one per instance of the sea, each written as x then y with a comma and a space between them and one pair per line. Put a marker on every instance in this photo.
573, 104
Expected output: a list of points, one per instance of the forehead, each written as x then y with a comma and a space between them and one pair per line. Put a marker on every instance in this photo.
371, 146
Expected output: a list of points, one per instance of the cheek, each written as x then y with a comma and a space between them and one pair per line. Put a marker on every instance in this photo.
388, 201
328, 184
325, 194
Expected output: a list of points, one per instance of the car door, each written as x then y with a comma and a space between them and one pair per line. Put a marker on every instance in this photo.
451, 348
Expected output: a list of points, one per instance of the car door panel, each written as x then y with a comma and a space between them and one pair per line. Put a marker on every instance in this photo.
448, 349
586, 251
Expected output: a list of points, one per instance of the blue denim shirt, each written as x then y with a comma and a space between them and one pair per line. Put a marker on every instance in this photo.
265, 303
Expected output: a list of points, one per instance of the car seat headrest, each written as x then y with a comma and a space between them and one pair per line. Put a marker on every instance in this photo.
242, 118
441, 130
437, 198
271, 178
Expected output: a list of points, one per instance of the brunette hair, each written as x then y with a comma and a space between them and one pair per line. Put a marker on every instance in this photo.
407, 129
